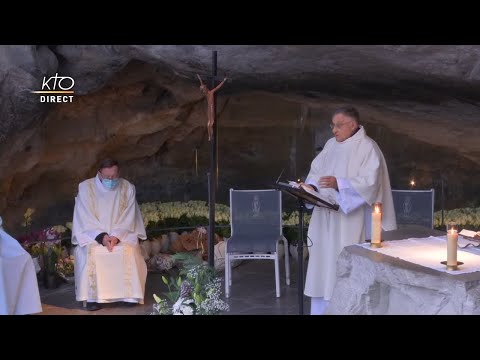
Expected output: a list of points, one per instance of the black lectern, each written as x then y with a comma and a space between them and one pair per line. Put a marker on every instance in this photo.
302, 197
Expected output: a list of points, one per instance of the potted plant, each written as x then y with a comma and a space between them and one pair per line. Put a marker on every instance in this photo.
50, 271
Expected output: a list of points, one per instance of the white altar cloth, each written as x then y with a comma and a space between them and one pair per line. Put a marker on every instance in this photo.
430, 252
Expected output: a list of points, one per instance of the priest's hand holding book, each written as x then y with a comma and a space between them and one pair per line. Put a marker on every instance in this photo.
328, 182
324, 182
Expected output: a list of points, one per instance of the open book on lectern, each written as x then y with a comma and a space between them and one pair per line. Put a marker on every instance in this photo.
305, 193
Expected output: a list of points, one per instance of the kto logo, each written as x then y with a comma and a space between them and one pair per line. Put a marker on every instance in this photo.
56, 89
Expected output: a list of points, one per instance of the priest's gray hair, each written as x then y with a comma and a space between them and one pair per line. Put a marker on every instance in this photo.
349, 111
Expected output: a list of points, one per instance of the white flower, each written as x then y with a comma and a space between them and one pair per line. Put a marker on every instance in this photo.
183, 307
59, 229
203, 297
186, 310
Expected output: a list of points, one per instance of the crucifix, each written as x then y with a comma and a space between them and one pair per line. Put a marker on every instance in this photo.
211, 96
211, 99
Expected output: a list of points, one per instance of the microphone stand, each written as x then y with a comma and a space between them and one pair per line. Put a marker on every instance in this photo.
301, 209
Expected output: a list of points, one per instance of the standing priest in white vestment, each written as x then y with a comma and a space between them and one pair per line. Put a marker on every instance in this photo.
350, 170
19, 294
107, 224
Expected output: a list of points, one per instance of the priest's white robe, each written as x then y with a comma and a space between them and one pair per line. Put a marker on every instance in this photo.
19, 294
102, 276
362, 176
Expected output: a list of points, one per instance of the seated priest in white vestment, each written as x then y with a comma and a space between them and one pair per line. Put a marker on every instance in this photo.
107, 224
19, 294
350, 170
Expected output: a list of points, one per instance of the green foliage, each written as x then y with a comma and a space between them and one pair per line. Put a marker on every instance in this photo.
51, 259
466, 218
195, 220
170, 224
165, 217
173, 288
187, 261
292, 233
195, 291
225, 232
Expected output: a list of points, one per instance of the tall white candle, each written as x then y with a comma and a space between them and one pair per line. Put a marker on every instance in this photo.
452, 241
376, 223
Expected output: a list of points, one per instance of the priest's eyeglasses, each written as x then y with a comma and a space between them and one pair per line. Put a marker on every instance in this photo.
340, 125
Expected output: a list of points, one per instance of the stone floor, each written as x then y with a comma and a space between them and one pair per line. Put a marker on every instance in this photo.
252, 293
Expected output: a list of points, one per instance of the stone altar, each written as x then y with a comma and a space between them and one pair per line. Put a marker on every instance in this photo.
372, 283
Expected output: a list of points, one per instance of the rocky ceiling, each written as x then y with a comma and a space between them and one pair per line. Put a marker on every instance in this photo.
141, 104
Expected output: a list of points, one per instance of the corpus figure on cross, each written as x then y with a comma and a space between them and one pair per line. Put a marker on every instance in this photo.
209, 94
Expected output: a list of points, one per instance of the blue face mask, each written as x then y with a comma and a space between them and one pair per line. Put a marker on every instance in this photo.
110, 184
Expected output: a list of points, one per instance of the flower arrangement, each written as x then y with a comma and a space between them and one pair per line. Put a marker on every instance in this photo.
196, 291
66, 266
158, 215
39, 242
158, 211
27, 217
46, 244
154, 212
468, 218
30, 238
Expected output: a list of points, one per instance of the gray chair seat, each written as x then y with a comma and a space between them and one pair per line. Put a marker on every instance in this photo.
243, 243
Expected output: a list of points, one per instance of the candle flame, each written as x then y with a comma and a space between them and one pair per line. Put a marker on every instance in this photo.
453, 231
377, 209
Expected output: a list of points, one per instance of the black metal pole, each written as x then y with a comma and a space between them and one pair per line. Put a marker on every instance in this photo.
208, 189
300, 258
443, 200
196, 162
213, 170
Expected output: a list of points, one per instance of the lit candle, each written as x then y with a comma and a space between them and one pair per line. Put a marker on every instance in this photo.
377, 223
452, 241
